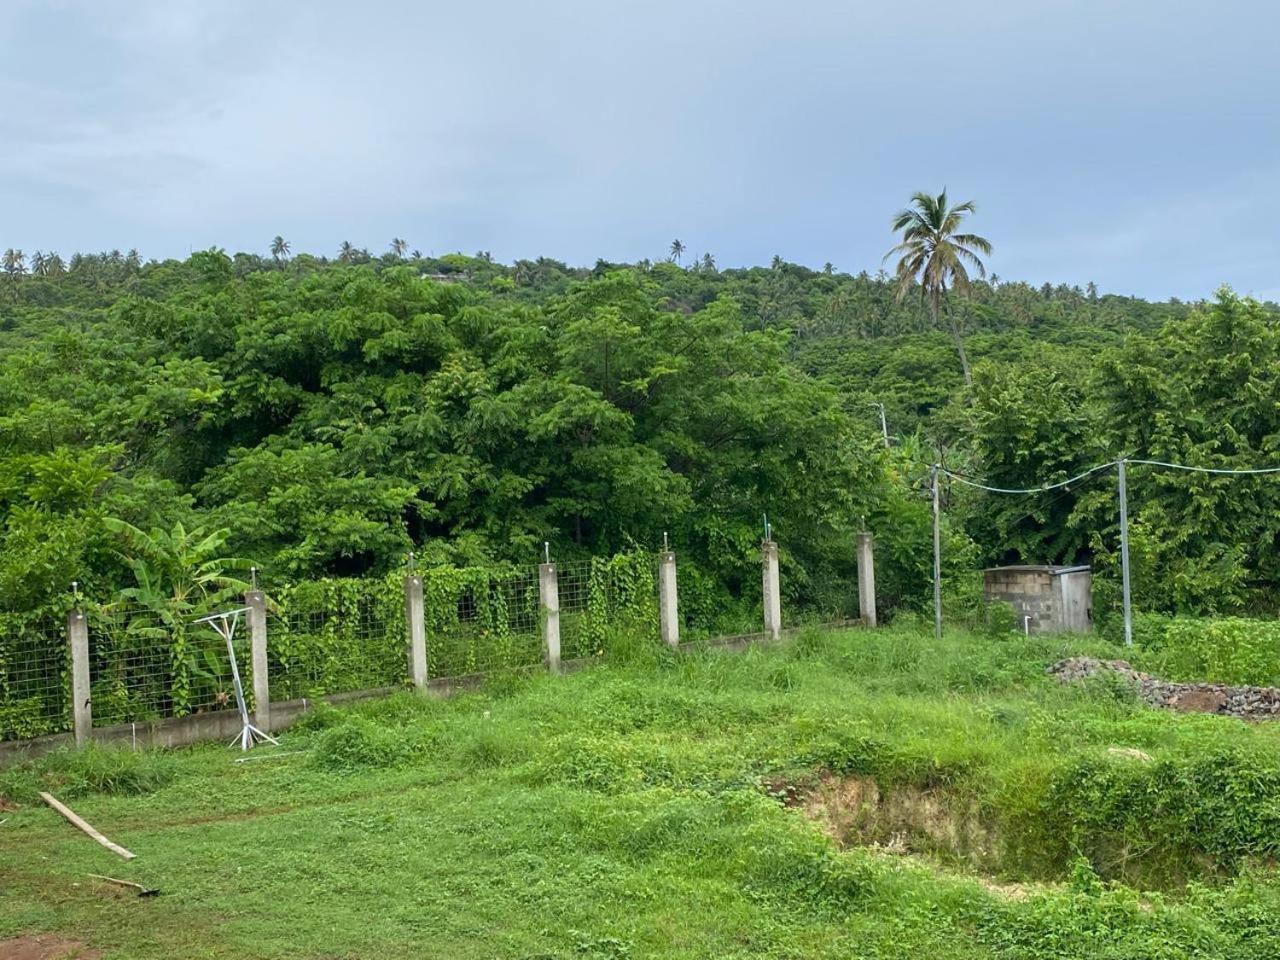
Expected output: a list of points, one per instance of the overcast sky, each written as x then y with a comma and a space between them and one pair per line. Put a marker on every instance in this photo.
1133, 143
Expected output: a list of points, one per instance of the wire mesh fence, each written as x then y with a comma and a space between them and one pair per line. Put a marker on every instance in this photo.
607, 601
336, 636
35, 677
482, 621
724, 605
151, 663
154, 662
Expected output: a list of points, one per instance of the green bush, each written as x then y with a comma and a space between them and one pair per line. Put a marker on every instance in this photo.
1153, 822
94, 768
1230, 650
358, 743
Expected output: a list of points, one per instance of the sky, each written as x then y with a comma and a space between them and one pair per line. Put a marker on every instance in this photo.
1132, 143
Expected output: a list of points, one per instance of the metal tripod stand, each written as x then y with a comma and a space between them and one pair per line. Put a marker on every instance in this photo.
225, 625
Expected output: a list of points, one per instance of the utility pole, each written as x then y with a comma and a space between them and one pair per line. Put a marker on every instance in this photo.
937, 557
884, 423
1124, 555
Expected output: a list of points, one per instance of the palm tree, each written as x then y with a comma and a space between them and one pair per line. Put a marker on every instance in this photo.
398, 247
677, 250
279, 249
39, 266
708, 263
346, 252
777, 262
828, 268
53, 265
934, 255
15, 263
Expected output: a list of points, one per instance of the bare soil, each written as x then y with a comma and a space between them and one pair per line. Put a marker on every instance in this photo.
45, 946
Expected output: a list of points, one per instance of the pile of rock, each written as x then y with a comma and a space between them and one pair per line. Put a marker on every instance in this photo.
1248, 703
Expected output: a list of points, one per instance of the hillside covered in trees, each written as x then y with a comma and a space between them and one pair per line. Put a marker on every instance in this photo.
324, 418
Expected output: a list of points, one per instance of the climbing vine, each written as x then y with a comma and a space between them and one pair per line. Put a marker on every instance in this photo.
336, 635
324, 636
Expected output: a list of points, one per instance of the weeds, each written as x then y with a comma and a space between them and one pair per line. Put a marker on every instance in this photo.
655, 808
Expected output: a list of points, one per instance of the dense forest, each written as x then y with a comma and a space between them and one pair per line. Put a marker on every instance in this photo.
325, 417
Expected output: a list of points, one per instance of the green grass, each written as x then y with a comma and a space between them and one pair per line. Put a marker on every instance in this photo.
634, 810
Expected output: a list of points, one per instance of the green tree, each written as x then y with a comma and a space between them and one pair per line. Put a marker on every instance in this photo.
677, 250
933, 254
178, 575
279, 249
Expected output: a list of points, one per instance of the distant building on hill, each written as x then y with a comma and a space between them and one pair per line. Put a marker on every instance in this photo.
1045, 599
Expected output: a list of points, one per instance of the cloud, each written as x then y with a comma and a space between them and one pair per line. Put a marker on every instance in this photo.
1102, 141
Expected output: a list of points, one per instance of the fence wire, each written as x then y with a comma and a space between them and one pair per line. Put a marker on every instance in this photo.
482, 621
35, 677
147, 664
335, 637
605, 602
326, 637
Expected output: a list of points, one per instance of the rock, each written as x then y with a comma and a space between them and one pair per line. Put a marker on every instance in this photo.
1249, 703
1198, 701
1130, 752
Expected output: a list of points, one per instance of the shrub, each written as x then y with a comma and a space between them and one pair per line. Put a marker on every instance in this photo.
358, 743
94, 768
1230, 650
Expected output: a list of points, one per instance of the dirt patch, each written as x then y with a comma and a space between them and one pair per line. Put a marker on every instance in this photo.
45, 946
227, 818
857, 811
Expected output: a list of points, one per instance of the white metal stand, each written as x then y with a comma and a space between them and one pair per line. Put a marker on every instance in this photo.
225, 625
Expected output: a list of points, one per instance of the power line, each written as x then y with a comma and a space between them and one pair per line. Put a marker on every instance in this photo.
981, 485
1180, 466
1120, 465
1041, 489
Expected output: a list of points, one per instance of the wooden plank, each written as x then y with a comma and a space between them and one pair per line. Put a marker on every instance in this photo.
83, 825
139, 888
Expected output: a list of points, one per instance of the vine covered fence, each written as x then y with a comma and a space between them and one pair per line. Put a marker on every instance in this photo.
152, 662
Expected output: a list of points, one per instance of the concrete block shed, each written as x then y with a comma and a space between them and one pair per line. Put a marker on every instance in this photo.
1047, 599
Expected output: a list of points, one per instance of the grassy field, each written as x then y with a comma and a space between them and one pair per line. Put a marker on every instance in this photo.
851, 794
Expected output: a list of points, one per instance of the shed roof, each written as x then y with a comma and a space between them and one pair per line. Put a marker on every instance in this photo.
1054, 570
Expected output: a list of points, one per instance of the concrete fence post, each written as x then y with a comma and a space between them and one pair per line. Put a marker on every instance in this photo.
668, 600
549, 603
256, 601
416, 618
867, 579
771, 595
81, 703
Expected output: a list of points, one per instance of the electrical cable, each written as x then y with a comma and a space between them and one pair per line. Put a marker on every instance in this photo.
1041, 489
961, 478
1180, 466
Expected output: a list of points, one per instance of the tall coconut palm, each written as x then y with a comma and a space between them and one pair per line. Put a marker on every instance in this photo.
398, 247
39, 266
934, 254
279, 249
15, 263
346, 252
708, 263
677, 250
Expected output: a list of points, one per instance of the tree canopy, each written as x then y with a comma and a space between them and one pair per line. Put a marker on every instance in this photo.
326, 417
